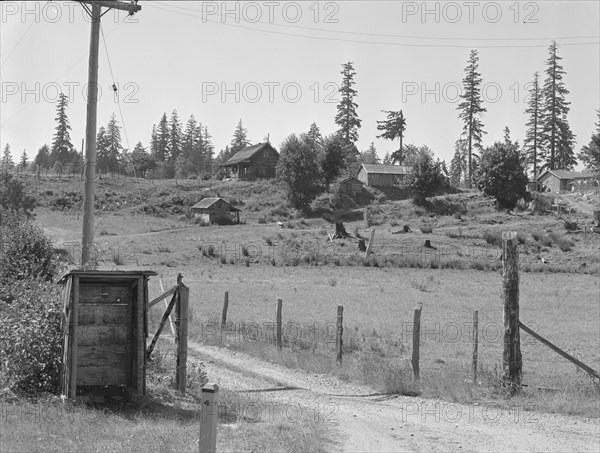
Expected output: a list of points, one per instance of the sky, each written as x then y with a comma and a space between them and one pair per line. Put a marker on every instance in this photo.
276, 66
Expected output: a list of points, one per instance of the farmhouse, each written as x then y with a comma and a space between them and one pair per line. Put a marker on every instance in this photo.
252, 162
564, 181
216, 210
381, 175
350, 186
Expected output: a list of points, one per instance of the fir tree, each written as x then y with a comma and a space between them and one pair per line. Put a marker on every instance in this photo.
458, 164
471, 110
369, 156
347, 118
590, 153
7, 162
114, 147
174, 145
62, 148
208, 151
162, 140
393, 128
533, 135
24, 161
42, 158
239, 140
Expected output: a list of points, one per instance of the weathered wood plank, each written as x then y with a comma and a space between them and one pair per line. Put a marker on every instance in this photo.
104, 314
162, 296
101, 375
138, 377
103, 335
105, 294
74, 337
115, 354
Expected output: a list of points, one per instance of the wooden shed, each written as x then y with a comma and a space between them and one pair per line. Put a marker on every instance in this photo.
104, 327
564, 181
381, 175
216, 210
252, 162
350, 186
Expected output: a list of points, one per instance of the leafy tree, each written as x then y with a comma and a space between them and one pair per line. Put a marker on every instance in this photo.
590, 153
369, 156
393, 127
501, 174
58, 168
13, 196
141, 160
533, 135
298, 168
471, 110
558, 140
334, 156
239, 140
410, 154
62, 149
175, 137
346, 117
387, 159
7, 162
458, 164
425, 177
42, 159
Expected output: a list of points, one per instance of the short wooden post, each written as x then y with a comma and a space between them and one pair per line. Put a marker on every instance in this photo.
416, 341
224, 313
475, 344
182, 335
370, 245
208, 422
278, 315
511, 359
339, 334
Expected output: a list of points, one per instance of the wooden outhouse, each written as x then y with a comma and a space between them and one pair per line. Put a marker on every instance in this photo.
104, 325
216, 210
350, 186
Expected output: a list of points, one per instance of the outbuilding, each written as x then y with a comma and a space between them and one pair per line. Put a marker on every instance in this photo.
216, 210
253, 162
564, 180
350, 186
381, 175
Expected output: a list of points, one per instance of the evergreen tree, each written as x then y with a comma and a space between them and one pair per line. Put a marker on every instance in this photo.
62, 148
23, 162
458, 165
471, 110
387, 159
113, 143
141, 161
533, 135
369, 156
314, 134
154, 141
42, 159
102, 150
333, 155
208, 151
239, 140
558, 140
590, 153
162, 140
7, 162
190, 137
393, 128
175, 137
346, 117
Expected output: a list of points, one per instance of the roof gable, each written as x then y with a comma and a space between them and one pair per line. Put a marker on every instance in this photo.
567, 174
248, 152
382, 169
207, 203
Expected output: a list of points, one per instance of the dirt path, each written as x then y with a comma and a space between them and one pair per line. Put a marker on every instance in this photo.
363, 421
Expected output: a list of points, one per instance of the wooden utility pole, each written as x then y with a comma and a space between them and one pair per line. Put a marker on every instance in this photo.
94, 9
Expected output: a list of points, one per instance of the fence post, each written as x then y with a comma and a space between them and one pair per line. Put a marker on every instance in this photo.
224, 314
416, 340
511, 359
182, 334
475, 344
279, 303
208, 423
339, 342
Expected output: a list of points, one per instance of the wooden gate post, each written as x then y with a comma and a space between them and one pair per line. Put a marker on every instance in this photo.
511, 359
475, 344
416, 341
182, 335
339, 342
224, 313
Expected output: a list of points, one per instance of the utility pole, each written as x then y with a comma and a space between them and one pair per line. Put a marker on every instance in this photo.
94, 9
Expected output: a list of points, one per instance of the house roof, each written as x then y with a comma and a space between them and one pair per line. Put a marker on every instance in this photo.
566, 174
385, 169
349, 178
246, 153
206, 203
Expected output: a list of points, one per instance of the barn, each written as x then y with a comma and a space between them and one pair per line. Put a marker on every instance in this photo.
216, 210
564, 180
381, 175
252, 162
350, 186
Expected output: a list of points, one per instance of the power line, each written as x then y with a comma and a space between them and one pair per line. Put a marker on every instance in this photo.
356, 41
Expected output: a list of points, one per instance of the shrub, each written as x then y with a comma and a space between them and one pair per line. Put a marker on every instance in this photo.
30, 337
427, 229
13, 196
493, 238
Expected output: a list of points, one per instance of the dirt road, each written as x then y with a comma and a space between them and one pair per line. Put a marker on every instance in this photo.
361, 421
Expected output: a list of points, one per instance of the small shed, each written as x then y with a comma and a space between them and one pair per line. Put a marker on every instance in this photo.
381, 175
564, 180
350, 186
216, 210
252, 162
104, 328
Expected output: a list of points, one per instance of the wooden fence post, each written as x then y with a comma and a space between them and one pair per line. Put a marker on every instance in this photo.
339, 342
416, 340
475, 344
278, 338
182, 334
224, 313
512, 362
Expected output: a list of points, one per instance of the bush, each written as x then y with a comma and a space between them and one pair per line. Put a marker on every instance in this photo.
26, 252
30, 337
13, 196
